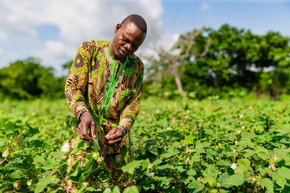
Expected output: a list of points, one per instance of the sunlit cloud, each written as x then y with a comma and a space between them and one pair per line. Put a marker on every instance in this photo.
52, 30
74, 22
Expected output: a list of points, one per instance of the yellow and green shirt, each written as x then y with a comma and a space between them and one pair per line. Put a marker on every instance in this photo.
105, 87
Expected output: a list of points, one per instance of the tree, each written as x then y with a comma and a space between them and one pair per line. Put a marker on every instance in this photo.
237, 58
27, 79
170, 61
228, 60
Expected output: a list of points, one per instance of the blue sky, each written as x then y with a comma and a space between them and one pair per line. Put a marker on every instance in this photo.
258, 16
52, 30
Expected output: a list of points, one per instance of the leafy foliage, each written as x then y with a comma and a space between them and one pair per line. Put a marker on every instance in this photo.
27, 79
225, 61
185, 145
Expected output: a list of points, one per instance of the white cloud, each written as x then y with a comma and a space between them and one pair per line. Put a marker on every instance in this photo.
76, 20
165, 42
55, 47
168, 40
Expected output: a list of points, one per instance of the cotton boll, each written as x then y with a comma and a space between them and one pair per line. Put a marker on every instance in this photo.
65, 148
234, 166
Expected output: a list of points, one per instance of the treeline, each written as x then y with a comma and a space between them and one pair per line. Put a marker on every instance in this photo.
28, 79
227, 62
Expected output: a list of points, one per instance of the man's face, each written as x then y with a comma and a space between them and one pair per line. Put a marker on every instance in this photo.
128, 38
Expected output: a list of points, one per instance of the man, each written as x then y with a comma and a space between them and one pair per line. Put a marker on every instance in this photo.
104, 85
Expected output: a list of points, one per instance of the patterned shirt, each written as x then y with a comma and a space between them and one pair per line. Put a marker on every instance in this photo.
105, 87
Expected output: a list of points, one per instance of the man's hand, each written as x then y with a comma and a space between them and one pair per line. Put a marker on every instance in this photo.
87, 127
115, 135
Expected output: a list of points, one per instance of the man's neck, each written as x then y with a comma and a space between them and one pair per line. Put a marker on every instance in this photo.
113, 55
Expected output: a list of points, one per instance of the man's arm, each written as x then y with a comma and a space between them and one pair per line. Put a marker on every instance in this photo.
130, 111
75, 86
76, 83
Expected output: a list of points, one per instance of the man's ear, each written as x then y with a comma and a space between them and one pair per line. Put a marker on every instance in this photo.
118, 26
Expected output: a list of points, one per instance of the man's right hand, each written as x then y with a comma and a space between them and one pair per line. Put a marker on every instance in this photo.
87, 127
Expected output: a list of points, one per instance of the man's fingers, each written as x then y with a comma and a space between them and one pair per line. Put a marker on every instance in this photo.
110, 142
87, 126
83, 133
80, 133
116, 135
85, 136
113, 134
112, 131
93, 130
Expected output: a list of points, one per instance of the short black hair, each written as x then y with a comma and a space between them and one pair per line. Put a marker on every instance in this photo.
138, 20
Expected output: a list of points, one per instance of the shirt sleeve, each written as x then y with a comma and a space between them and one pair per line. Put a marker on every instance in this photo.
76, 82
131, 110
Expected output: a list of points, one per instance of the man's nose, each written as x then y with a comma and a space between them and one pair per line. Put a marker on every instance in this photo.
129, 47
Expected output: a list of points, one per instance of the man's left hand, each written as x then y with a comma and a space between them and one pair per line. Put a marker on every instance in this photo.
114, 136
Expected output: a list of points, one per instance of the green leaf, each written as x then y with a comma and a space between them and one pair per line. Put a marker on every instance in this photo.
171, 152
264, 171
107, 190
132, 189
15, 175
266, 183
75, 173
235, 180
48, 165
195, 158
285, 172
223, 179
210, 171
243, 166
130, 167
166, 166
116, 189
91, 189
85, 175
164, 180
223, 163
145, 163
43, 182
191, 172
280, 180
39, 159
81, 190
211, 181
249, 152
156, 162
96, 145
196, 186
180, 169
151, 142
200, 146
283, 130
189, 139
177, 144
263, 153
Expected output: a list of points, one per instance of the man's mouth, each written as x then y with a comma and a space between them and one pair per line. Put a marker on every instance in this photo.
124, 53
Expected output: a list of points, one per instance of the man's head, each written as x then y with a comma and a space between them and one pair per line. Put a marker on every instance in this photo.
129, 35
138, 21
